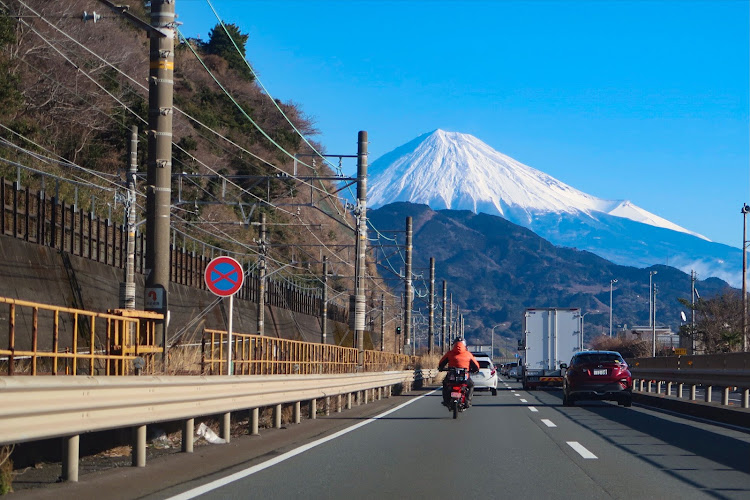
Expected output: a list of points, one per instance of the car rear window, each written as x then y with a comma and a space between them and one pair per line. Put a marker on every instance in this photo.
483, 363
599, 357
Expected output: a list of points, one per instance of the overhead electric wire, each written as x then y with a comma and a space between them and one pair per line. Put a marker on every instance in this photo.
126, 107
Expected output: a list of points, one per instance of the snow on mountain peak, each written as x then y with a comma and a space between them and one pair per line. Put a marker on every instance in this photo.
450, 170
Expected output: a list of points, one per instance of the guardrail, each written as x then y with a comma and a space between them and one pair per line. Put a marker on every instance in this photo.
66, 341
35, 408
724, 371
262, 355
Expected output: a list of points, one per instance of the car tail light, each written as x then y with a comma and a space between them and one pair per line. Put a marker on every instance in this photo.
492, 372
456, 388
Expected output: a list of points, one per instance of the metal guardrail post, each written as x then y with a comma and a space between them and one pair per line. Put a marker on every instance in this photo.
349, 401
139, 446
226, 426
277, 416
313, 409
707, 393
746, 398
692, 392
254, 417
70, 458
188, 433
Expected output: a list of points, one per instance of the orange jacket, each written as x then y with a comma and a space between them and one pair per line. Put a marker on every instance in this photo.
458, 357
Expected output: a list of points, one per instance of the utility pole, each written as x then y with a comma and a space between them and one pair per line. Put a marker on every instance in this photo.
159, 175
443, 325
127, 288
459, 333
324, 303
450, 321
382, 322
693, 277
263, 249
431, 317
408, 293
357, 301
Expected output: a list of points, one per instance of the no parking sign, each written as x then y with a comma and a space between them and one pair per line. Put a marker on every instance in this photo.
224, 276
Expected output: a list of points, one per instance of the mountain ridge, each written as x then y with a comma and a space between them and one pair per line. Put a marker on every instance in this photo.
450, 170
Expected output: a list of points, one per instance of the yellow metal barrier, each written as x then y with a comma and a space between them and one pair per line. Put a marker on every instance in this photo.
261, 355
65, 341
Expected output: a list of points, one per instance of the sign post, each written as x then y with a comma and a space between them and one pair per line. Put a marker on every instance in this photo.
224, 277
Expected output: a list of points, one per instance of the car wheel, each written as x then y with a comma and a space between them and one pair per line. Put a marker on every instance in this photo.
494, 392
566, 400
628, 402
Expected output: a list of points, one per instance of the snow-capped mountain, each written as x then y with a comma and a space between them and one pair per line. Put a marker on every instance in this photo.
450, 170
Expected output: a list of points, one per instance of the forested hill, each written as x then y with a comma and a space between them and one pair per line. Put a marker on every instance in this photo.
71, 90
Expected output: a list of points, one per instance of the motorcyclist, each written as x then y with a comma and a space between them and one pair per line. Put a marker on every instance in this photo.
458, 357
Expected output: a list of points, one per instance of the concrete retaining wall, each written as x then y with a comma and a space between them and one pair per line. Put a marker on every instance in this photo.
37, 273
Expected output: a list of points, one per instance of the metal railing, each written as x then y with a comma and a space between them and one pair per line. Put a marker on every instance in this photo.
37, 408
262, 355
726, 372
66, 341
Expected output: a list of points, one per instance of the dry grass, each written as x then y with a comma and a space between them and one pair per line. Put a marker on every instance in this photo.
184, 360
6, 470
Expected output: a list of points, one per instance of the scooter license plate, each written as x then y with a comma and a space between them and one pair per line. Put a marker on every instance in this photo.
455, 394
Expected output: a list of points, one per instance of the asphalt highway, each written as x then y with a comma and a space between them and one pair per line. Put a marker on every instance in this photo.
518, 444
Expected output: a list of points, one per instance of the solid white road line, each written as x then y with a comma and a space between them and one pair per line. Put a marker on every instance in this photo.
265, 465
548, 423
578, 447
533, 410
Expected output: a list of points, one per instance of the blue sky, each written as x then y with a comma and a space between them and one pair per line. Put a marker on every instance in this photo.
639, 100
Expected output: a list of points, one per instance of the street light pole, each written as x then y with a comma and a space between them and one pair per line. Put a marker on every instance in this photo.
650, 287
580, 347
492, 342
745, 210
611, 282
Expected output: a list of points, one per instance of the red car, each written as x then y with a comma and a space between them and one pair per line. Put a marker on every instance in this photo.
600, 375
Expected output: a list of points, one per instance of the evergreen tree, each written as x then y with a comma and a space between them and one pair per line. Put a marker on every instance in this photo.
220, 44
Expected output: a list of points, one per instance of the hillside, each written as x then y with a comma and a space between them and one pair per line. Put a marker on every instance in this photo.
495, 269
71, 90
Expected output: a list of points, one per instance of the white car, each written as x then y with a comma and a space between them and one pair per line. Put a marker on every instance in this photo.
486, 378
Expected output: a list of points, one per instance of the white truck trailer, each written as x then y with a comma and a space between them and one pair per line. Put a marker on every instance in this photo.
551, 336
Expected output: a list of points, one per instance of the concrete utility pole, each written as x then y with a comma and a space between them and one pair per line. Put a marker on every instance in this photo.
324, 304
457, 330
263, 249
159, 175
431, 317
693, 277
357, 301
443, 325
382, 322
127, 288
408, 292
450, 323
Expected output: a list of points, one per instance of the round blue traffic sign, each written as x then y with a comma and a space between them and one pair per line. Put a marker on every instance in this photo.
224, 276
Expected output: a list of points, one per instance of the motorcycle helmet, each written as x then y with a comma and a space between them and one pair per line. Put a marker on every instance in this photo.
459, 339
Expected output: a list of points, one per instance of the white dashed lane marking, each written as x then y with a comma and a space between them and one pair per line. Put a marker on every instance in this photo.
548, 423
524, 401
533, 410
581, 450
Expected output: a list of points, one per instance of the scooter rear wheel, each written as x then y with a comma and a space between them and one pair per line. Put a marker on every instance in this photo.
455, 410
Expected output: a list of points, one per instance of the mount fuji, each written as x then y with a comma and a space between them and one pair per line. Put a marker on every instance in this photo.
450, 170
